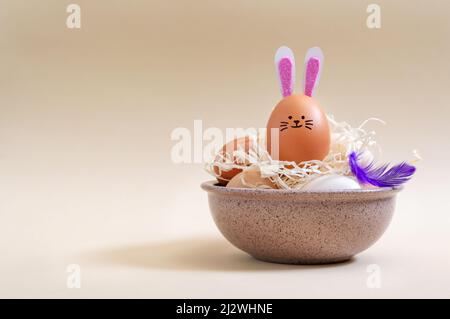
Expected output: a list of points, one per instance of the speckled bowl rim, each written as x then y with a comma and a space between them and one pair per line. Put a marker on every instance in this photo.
296, 194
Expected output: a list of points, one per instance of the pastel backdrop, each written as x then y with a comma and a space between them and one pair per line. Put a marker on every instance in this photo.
86, 115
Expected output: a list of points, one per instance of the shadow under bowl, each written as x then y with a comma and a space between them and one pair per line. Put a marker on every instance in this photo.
298, 227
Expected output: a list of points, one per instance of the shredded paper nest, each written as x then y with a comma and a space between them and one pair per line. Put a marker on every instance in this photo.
289, 175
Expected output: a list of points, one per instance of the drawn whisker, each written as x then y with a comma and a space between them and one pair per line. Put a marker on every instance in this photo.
311, 124
308, 120
284, 122
308, 128
284, 128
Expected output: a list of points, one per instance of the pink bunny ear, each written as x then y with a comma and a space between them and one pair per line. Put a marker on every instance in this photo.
285, 66
313, 69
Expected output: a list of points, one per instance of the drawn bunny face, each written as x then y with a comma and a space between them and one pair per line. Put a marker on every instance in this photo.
296, 122
297, 129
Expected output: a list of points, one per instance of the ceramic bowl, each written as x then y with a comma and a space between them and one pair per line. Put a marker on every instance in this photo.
298, 227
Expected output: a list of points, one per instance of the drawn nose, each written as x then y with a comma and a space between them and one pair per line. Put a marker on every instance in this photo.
296, 122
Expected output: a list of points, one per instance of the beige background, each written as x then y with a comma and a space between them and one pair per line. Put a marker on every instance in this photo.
85, 122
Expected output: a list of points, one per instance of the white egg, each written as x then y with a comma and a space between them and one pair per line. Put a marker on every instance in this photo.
331, 183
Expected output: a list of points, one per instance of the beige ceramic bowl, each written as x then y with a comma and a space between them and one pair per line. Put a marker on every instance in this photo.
298, 227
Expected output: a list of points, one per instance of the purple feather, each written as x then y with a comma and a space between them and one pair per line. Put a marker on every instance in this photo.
381, 176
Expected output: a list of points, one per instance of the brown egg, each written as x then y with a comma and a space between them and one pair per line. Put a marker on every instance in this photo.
250, 178
244, 143
302, 130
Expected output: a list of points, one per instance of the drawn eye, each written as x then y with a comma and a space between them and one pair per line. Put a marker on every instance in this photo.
290, 117
303, 117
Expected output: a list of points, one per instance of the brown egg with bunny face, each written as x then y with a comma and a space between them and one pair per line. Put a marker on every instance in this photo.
301, 128
298, 129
